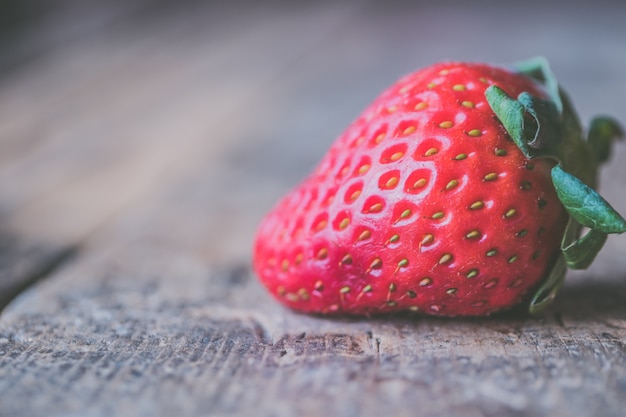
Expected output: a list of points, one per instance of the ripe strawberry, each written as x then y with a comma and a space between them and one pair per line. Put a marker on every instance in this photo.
440, 198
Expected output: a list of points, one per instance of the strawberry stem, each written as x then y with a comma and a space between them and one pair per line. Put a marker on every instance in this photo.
539, 69
550, 129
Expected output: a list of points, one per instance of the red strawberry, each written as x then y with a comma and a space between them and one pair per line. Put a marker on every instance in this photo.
426, 203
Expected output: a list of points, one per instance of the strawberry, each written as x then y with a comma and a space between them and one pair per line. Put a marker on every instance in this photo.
448, 196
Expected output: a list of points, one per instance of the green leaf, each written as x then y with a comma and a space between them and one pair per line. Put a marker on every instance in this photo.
545, 129
550, 287
585, 205
531, 132
539, 69
531, 122
581, 253
602, 133
510, 112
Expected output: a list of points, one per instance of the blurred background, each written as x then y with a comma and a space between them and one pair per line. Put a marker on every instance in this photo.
183, 122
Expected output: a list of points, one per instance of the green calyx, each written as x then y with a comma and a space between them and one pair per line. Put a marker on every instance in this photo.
549, 128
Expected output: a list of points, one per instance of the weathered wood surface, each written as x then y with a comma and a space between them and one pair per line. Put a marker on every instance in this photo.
138, 158
159, 332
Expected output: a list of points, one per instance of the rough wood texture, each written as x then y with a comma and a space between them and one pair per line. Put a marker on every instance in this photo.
150, 146
157, 332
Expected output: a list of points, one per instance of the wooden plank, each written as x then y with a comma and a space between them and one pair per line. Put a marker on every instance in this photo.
164, 333
169, 326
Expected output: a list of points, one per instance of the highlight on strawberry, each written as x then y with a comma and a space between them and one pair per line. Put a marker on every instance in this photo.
464, 189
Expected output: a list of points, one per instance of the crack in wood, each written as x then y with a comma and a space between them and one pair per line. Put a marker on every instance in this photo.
24, 263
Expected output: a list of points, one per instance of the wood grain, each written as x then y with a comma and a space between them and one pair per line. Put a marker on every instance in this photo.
164, 333
150, 149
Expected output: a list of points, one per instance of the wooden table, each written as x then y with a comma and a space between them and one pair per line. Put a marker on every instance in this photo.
140, 145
